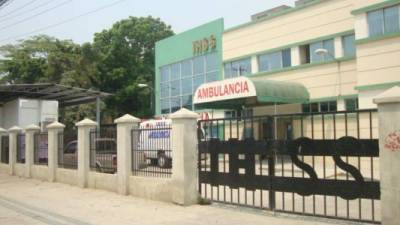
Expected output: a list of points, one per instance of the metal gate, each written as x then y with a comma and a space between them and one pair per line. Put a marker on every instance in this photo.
320, 164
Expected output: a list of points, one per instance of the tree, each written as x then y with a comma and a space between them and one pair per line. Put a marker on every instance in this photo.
126, 58
44, 59
119, 59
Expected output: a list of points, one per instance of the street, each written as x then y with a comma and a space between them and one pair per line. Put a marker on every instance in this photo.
28, 201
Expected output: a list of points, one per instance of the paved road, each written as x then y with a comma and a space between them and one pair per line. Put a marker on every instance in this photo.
27, 201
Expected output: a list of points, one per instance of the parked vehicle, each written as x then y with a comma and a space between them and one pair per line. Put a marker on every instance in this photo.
155, 141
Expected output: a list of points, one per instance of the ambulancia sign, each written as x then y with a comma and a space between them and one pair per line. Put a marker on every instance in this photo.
228, 89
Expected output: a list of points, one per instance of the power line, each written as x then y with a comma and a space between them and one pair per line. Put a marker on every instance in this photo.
65, 21
35, 15
26, 11
4, 3
17, 9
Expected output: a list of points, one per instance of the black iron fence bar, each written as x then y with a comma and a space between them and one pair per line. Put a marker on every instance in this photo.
21, 148
293, 115
103, 150
67, 153
41, 149
342, 140
151, 152
5, 149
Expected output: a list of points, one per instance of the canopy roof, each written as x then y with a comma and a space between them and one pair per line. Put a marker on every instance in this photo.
243, 91
65, 95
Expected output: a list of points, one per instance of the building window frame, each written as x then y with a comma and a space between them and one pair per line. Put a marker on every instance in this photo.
379, 21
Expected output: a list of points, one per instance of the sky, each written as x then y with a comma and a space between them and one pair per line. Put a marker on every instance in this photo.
20, 19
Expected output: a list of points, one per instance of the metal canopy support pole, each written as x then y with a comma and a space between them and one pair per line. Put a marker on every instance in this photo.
98, 112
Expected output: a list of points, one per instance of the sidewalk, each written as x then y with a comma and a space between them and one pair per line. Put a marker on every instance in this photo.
27, 201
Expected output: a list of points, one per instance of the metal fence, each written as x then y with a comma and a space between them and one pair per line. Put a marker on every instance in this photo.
103, 149
21, 148
151, 154
67, 151
5, 149
319, 164
40, 149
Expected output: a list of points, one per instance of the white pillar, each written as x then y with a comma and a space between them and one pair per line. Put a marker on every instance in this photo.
53, 130
29, 147
184, 151
389, 154
125, 125
13, 132
84, 128
3, 132
295, 55
254, 65
338, 47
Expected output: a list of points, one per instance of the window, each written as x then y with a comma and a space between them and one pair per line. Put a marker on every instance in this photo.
239, 113
274, 61
351, 104
304, 54
237, 68
348, 45
329, 106
326, 44
383, 21
180, 80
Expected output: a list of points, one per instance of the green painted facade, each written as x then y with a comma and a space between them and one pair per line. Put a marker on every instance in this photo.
180, 47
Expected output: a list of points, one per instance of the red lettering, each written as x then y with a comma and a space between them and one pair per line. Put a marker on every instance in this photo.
237, 87
245, 87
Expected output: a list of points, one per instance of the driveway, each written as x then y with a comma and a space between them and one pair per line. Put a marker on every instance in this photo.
27, 201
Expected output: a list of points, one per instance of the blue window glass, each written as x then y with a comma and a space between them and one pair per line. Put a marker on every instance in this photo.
198, 65
175, 104
165, 106
197, 81
392, 18
187, 86
286, 58
227, 70
375, 23
213, 76
263, 64
314, 56
187, 68
330, 46
165, 74
164, 90
211, 62
175, 71
175, 87
187, 102
275, 60
348, 45
327, 45
245, 67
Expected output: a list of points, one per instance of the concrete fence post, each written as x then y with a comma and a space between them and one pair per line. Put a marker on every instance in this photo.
3, 132
53, 130
125, 124
184, 153
30, 132
84, 128
389, 154
13, 132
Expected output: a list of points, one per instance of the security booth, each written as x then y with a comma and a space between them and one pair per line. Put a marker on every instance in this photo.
242, 93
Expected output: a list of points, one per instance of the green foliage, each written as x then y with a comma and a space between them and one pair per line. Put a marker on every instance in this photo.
126, 58
118, 59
